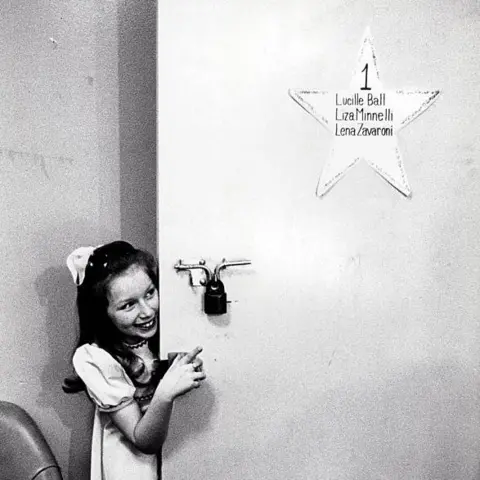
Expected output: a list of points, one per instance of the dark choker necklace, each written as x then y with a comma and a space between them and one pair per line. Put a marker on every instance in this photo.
131, 346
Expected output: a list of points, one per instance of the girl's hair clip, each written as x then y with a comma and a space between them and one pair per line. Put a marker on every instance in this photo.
77, 262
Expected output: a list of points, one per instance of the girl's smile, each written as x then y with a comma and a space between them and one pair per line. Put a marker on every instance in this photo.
133, 305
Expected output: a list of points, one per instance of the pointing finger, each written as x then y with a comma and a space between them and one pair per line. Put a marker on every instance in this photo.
190, 356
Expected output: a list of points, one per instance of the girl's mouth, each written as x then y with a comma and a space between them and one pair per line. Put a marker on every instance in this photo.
147, 325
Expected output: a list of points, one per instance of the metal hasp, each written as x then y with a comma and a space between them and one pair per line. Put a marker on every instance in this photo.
195, 266
215, 297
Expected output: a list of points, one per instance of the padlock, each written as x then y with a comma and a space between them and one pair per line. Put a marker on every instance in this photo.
215, 298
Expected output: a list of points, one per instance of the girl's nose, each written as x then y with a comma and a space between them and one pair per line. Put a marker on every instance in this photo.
145, 309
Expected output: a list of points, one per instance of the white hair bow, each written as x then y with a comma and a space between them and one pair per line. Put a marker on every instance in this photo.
77, 262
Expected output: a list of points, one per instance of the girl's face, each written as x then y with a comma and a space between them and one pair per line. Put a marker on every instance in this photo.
133, 304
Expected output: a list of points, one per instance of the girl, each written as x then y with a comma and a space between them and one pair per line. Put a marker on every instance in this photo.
117, 360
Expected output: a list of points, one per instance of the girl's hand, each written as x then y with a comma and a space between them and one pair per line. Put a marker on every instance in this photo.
185, 374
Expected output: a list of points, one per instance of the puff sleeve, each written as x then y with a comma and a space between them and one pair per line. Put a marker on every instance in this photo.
108, 385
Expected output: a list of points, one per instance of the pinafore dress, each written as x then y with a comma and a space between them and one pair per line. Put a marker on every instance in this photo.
109, 387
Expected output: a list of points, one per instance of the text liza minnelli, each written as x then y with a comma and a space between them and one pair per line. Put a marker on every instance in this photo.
362, 115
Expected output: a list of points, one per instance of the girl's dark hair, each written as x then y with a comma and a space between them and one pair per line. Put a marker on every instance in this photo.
106, 263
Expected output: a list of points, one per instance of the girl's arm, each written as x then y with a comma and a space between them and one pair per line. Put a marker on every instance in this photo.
148, 432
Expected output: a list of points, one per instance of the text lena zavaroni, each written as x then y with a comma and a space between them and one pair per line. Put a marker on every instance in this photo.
362, 131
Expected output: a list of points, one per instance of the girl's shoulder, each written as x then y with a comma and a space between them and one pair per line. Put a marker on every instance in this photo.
106, 380
91, 353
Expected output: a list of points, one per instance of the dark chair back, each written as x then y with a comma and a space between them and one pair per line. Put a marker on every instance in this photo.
24, 452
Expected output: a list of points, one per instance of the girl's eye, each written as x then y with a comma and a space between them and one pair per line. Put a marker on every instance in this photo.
150, 293
126, 306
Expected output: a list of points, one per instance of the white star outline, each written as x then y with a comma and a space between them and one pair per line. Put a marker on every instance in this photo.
380, 152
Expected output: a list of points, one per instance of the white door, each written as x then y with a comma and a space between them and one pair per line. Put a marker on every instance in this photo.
351, 345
